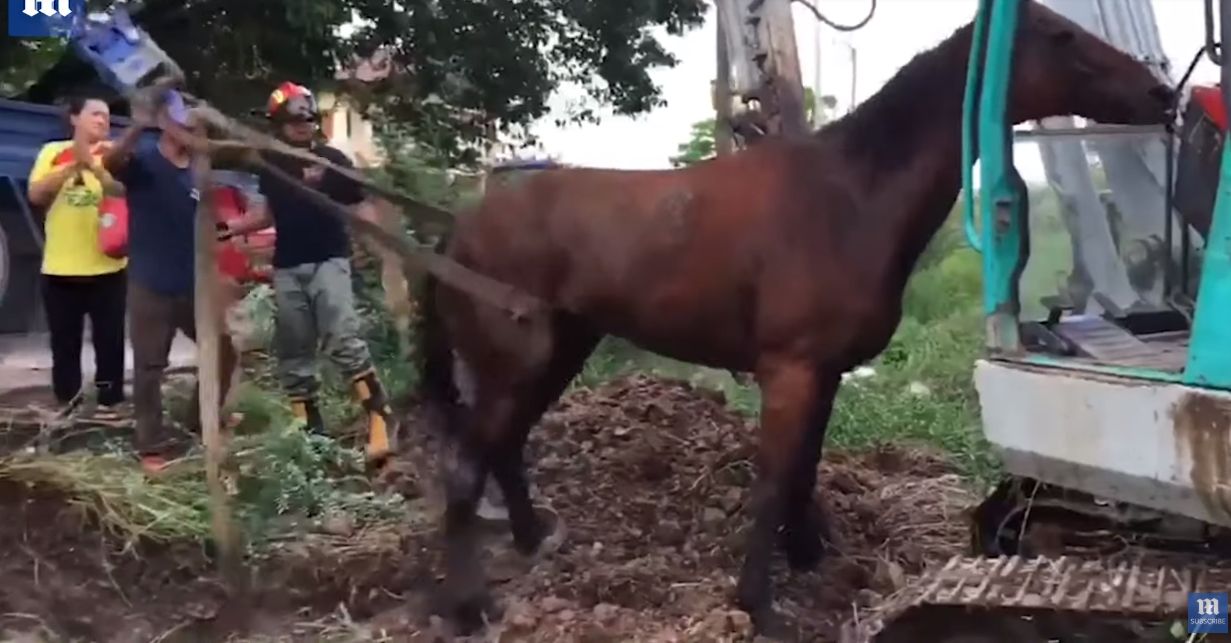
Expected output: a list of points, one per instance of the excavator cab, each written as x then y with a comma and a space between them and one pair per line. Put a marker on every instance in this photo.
1115, 404
1107, 395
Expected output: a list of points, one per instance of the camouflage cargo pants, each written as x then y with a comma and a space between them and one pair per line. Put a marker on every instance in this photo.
316, 307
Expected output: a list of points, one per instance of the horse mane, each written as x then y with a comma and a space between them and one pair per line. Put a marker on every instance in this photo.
895, 122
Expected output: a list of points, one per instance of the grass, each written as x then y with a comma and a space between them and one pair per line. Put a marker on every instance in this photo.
281, 481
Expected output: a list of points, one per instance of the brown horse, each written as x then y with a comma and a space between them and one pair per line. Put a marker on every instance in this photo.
787, 260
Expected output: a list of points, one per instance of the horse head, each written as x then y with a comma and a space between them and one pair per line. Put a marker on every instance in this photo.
1061, 68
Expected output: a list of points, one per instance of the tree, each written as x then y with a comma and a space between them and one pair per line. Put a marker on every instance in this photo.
700, 144
461, 69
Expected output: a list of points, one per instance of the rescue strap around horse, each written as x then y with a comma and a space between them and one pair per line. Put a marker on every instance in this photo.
261, 141
495, 293
517, 303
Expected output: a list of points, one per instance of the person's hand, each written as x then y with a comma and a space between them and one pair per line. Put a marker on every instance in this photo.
83, 157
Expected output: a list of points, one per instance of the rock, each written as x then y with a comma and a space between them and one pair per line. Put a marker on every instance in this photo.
552, 604
740, 623
521, 616
713, 516
605, 612
732, 500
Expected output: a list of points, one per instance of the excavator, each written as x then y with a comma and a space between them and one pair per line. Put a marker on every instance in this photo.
1110, 405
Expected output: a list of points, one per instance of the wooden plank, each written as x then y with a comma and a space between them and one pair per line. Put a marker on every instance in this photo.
209, 326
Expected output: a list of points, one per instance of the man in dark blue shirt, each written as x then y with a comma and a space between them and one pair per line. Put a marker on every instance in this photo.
312, 272
162, 204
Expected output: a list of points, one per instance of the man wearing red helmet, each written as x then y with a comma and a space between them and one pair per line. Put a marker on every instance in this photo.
312, 272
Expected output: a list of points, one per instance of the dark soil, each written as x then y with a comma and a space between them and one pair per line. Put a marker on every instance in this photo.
650, 479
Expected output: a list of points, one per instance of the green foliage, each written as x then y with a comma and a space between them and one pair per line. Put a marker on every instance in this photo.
24, 60
700, 144
461, 68
287, 475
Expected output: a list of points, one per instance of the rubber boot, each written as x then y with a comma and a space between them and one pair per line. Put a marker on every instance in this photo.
306, 410
382, 426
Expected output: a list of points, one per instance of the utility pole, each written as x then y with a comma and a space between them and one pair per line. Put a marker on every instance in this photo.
760, 37
723, 142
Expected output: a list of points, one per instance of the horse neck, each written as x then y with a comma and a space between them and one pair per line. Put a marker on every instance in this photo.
907, 142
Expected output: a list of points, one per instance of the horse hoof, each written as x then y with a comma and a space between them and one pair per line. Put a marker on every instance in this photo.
770, 625
470, 615
805, 543
549, 536
805, 557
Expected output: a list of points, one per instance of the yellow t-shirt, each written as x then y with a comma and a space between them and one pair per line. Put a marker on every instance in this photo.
71, 231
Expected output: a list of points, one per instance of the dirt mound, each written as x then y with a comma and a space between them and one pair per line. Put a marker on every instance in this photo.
64, 578
650, 478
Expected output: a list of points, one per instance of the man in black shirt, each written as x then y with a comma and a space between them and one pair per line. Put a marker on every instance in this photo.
312, 272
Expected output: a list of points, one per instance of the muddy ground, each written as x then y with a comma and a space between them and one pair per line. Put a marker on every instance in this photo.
650, 478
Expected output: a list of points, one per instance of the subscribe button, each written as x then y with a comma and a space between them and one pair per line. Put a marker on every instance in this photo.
1207, 613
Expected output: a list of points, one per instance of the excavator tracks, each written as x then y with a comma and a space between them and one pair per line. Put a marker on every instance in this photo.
1010, 599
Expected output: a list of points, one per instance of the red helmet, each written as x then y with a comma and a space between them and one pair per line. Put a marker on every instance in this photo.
291, 102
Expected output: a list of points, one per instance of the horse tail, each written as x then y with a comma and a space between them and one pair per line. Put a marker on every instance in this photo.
437, 386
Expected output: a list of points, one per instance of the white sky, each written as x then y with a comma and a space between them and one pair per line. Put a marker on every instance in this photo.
899, 30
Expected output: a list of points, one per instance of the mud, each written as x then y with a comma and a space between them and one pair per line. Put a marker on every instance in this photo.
651, 479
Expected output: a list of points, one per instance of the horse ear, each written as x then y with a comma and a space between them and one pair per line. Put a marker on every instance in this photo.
1063, 37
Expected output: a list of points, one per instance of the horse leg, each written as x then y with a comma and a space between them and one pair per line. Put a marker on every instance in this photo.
506, 405
790, 404
465, 470
572, 343
805, 527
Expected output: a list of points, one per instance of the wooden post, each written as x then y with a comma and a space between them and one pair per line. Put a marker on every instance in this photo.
782, 69
723, 143
209, 327
761, 50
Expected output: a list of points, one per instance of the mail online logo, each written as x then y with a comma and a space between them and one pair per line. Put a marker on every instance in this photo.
1207, 613
41, 18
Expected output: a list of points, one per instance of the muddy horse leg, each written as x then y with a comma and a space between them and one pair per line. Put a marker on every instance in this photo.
505, 407
805, 529
464, 466
572, 343
791, 403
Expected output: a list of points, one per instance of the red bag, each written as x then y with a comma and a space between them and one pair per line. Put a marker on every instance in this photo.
112, 217
113, 227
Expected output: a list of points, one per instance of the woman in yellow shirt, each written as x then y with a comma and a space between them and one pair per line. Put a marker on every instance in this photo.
79, 280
